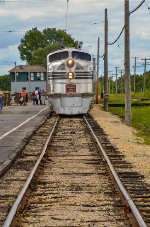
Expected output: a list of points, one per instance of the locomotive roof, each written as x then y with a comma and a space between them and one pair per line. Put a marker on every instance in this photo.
68, 49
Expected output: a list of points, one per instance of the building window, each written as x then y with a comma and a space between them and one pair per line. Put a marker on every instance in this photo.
40, 76
32, 76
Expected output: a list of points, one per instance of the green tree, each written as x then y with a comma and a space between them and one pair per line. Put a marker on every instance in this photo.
29, 43
35, 45
5, 82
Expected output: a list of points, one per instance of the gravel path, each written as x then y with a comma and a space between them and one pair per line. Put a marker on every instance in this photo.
124, 138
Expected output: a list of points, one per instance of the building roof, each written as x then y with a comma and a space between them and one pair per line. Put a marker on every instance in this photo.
28, 68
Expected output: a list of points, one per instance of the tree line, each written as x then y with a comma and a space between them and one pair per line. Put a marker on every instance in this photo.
137, 84
5, 83
36, 45
139, 80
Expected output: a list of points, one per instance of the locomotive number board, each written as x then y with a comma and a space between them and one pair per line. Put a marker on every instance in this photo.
70, 88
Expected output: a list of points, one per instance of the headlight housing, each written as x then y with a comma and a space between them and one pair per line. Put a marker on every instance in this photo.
70, 62
71, 75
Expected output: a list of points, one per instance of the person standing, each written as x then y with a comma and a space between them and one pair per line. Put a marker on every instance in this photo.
40, 97
43, 97
1, 100
23, 96
37, 96
33, 97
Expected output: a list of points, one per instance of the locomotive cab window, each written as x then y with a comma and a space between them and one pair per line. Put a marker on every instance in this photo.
81, 56
59, 56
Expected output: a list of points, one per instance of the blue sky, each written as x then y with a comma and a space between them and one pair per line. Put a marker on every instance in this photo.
85, 22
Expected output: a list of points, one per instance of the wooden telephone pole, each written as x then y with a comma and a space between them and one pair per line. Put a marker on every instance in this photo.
135, 65
106, 64
97, 77
116, 79
128, 114
144, 75
15, 87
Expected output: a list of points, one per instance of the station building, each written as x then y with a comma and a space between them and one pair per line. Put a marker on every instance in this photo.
28, 77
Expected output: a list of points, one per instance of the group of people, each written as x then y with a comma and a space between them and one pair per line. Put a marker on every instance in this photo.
38, 97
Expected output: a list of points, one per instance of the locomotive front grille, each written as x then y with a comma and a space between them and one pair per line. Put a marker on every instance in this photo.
63, 75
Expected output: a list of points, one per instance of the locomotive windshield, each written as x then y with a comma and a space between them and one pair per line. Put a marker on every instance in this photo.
59, 56
81, 56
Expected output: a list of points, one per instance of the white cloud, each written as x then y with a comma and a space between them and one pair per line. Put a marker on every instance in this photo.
82, 14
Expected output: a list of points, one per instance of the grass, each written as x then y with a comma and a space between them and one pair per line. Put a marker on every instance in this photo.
141, 95
140, 118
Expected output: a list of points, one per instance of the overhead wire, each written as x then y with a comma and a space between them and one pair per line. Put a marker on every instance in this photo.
124, 25
147, 5
94, 23
12, 31
7, 1
137, 7
117, 37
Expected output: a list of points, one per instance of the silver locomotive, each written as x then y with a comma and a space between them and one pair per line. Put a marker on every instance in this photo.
70, 81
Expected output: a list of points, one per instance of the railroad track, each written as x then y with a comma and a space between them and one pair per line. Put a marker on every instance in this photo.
73, 185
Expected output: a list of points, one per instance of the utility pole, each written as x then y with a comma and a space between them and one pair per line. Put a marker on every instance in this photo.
121, 82
144, 75
29, 78
97, 77
15, 78
134, 88
128, 114
112, 75
106, 64
109, 82
67, 15
116, 79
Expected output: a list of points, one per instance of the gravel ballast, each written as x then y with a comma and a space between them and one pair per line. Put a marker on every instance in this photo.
124, 138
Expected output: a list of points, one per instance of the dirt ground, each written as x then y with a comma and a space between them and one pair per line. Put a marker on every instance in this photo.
123, 137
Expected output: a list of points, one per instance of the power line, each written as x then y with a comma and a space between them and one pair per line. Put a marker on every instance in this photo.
147, 5
137, 7
118, 36
124, 25
12, 31
3, 1
94, 23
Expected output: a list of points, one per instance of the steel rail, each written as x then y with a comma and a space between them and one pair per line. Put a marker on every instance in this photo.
130, 202
13, 209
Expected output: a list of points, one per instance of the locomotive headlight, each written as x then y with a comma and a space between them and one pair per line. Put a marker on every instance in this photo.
71, 75
70, 62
